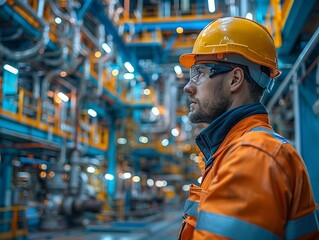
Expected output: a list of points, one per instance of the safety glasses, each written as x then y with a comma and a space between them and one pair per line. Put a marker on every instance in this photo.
198, 71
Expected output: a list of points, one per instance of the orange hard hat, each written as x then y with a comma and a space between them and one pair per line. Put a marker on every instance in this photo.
235, 36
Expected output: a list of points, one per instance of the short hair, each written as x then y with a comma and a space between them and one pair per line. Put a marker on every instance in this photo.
256, 91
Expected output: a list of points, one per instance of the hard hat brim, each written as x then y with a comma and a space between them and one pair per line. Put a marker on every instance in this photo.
187, 60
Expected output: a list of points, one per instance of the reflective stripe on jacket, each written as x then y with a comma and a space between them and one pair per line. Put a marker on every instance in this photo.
255, 186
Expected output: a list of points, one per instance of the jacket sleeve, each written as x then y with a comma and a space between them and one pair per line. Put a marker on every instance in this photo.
248, 198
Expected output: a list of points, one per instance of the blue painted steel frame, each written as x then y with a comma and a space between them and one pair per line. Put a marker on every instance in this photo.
85, 7
5, 180
26, 25
171, 26
111, 157
98, 10
13, 126
37, 135
297, 17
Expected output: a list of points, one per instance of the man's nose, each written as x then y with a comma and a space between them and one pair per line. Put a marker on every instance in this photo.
189, 88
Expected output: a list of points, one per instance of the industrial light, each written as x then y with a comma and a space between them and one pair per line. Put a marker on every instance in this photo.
180, 75
115, 72
121, 140
129, 76
129, 67
175, 132
164, 182
90, 169
67, 167
43, 166
58, 20
188, 127
155, 111
211, 6
199, 180
187, 147
136, 179
97, 54
178, 69
159, 184
11, 69
125, 175
147, 91
43, 174
92, 113
192, 156
179, 30
119, 10
186, 187
51, 174
150, 182
165, 142
155, 76
63, 97
249, 16
143, 139
185, 119
106, 47
109, 177
196, 159
63, 74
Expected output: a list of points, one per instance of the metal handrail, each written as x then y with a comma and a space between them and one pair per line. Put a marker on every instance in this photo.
300, 60
11, 217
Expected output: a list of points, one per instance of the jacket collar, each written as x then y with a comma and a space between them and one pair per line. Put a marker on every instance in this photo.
211, 137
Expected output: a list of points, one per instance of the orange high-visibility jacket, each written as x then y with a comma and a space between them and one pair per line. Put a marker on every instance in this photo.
255, 186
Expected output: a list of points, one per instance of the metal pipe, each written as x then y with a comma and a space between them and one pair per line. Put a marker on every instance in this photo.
76, 28
18, 55
170, 100
40, 9
90, 36
45, 87
296, 106
243, 8
75, 172
36, 86
101, 39
302, 57
2, 2
17, 34
84, 8
59, 13
63, 151
84, 182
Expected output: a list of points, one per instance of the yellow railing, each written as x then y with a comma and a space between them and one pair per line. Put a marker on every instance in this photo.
29, 111
13, 222
276, 18
152, 12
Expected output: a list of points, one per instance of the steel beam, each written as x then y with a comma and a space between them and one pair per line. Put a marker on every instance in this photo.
296, 20
98, 10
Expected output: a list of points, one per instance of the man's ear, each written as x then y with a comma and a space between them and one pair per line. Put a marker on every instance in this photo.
238, 79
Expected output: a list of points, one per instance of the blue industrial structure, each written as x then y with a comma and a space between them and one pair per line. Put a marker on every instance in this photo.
81, 141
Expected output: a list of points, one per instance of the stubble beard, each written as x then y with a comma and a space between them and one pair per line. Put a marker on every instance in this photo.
208, 111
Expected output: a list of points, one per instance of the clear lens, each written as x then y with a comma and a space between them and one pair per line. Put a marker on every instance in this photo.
211, 70
196, 71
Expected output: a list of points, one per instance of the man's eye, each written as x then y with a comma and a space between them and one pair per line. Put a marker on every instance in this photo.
200, 70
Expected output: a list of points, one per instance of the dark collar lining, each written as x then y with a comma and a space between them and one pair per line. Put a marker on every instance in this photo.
213, 135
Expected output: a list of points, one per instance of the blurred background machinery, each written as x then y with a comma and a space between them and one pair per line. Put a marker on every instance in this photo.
93, 119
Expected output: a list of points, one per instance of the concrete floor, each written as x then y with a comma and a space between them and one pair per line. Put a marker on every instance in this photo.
165, 227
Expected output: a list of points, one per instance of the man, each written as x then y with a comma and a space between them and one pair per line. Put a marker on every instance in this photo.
255, 185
